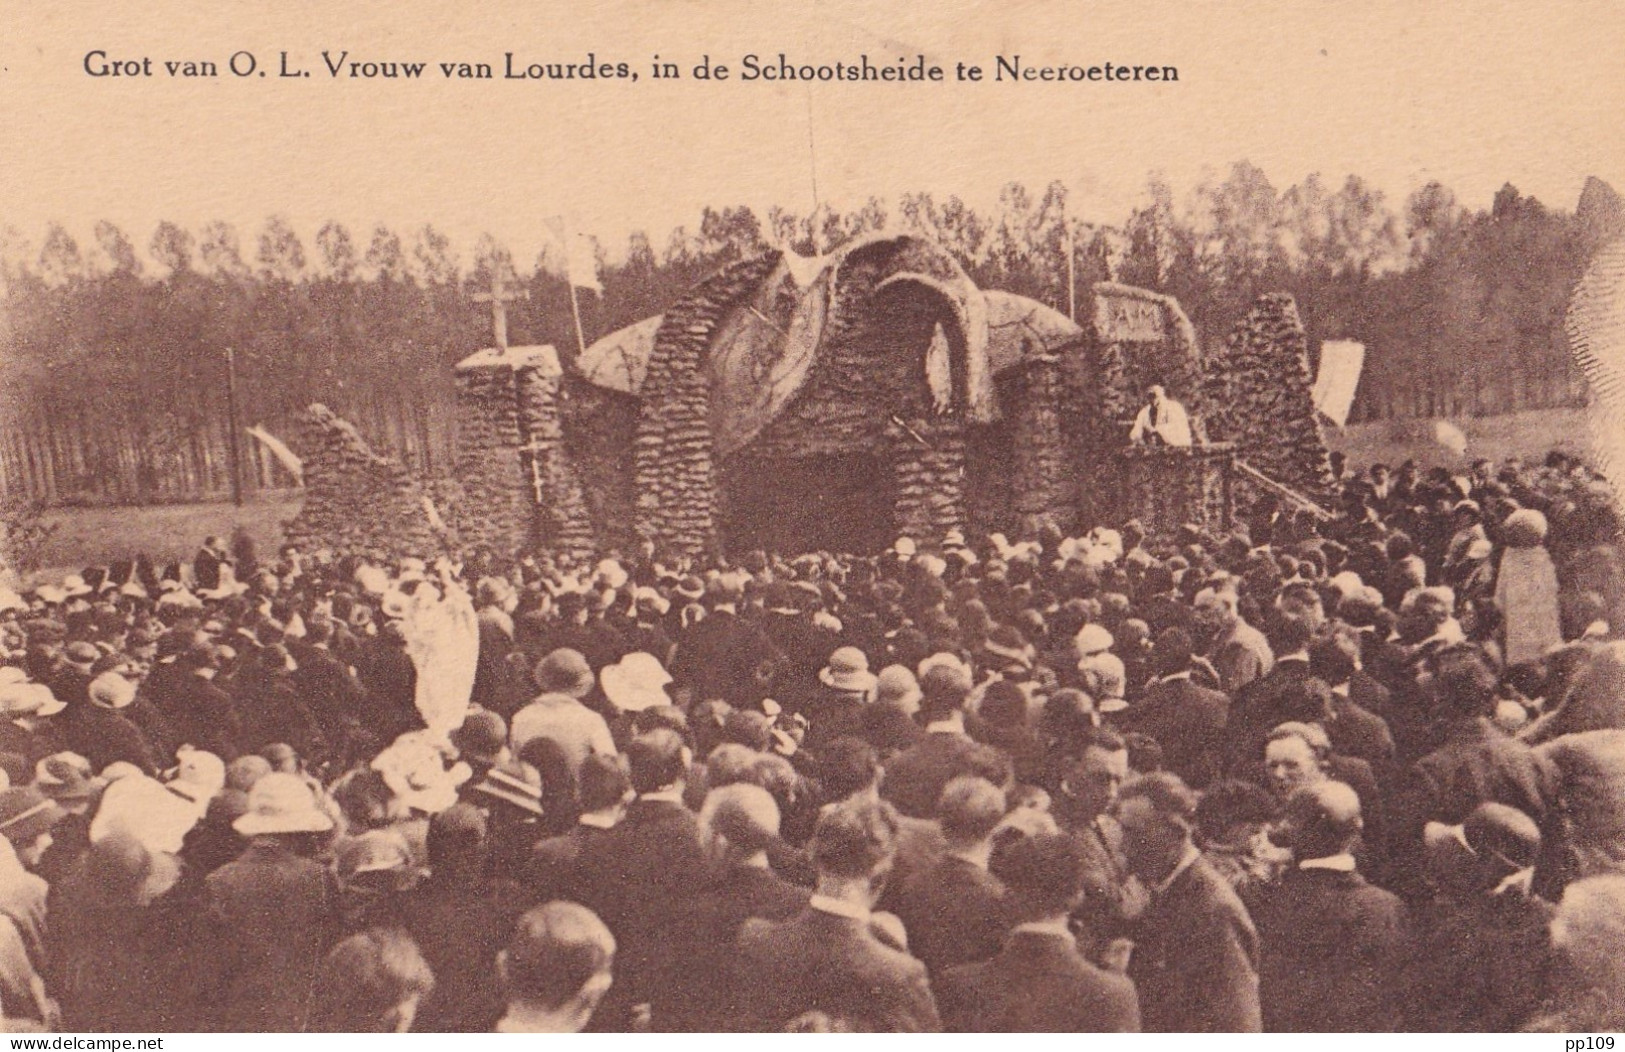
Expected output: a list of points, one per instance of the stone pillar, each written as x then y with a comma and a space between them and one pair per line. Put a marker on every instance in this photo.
500, 496
562, 520
1038, 446
928, 463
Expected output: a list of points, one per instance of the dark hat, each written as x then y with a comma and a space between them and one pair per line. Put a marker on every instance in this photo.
482, 736
25, 813
565, 671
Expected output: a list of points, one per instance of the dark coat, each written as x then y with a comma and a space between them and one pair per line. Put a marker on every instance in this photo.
1355, 731
1195, 961
817, 961
1331, 948
1485, 966
1479, 763
1256, 711
105, 736
460, 925
726, 657
710, 999
275, 916
551, 872
637, 877
1038, 983
1188, 721
914, 779
203, 716
954, 912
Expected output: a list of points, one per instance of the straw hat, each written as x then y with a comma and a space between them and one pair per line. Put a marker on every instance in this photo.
848, 669
636, 682
282, 803
28, 699
1092, 639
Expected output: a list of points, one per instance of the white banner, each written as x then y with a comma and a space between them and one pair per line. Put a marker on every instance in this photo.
1341, 362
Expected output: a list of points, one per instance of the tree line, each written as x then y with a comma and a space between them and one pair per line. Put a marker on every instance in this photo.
114, 373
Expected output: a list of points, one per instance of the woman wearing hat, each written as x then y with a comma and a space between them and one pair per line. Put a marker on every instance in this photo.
27, 817
836, 711
120, 942
277, 909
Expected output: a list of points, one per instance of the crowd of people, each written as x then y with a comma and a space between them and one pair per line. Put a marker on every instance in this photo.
1363, 771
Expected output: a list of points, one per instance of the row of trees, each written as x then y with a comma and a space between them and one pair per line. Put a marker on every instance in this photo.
114, 375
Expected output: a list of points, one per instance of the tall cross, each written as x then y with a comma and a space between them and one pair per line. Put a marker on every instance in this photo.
499, 297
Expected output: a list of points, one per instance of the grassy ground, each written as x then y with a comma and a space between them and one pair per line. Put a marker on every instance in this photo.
1529, 435
97, 536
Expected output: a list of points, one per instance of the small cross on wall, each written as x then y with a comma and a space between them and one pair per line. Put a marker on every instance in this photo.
499, 297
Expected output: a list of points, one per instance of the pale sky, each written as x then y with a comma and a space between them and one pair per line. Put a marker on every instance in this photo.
1471, 94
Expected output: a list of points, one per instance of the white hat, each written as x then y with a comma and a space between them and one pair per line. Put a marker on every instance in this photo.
1092, 639
198, 775
905, 547
1348, 584
50, 593
29, 699
73, 585
10, 600
141, 807
848, 669
282, 803
133, 589
112, 691
372, 580
636, 682
611, 573
415, 770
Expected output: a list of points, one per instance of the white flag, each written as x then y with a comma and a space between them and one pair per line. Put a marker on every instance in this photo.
1341, 362
580, 255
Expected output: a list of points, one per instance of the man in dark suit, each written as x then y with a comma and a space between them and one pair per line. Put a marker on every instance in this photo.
1186, 719
638, 874
202, 715
914, 778
1330, 944
1477, 762
1195, 961
1260, 706
1039, 982
835, 957
1354, 729
1085, 788
954, 911
739, 823
725, 656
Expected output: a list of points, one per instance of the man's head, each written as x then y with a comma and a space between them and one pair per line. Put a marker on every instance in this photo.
1461, 682
1320, 820
559, 958
604, 784
1295, 756
656, 760
944, 689
1157, 813
564, 671
1044, 874
1090, 782
1216, 610
969, 810
1334, 657
856, 841
738, 822
1155, 395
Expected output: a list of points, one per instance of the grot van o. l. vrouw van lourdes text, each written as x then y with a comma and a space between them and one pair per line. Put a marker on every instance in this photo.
347, 65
